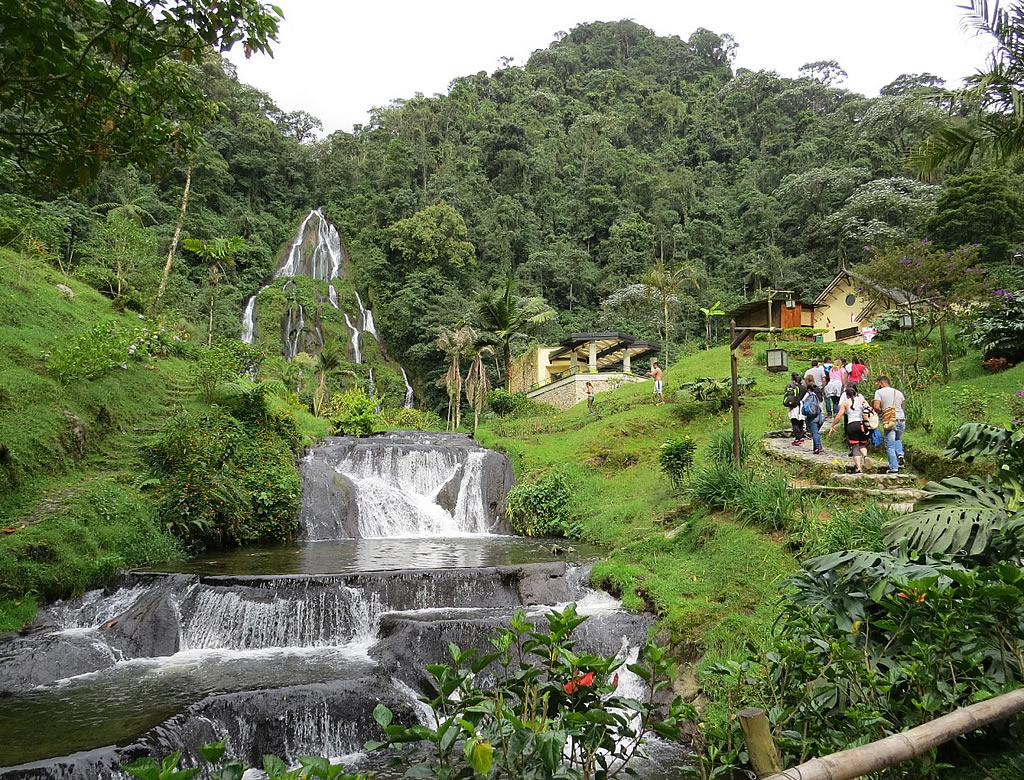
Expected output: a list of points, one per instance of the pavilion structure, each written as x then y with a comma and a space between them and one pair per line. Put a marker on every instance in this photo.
558, 375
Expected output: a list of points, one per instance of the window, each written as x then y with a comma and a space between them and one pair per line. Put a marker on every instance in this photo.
847, 333
851, 299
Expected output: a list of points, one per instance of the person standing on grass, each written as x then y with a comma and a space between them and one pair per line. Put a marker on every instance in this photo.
855, 407
590, 398
889, 404
659, 386
834, 387
814, 412
793, 400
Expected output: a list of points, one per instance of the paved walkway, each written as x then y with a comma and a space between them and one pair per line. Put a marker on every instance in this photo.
837, 462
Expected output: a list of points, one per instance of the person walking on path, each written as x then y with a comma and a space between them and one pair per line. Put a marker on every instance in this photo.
858, 371
814, 412
888, 402
855, 407
816, 374
659, 387
834, 387
590, 398
792, 400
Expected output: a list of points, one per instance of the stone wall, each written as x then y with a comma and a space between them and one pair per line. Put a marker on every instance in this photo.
568, 392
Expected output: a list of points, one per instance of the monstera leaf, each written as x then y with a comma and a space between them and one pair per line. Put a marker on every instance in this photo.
957, 516
974, 440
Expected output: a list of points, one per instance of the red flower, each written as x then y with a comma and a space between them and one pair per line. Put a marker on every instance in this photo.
584, 681
615, 681
570, 687
587, 680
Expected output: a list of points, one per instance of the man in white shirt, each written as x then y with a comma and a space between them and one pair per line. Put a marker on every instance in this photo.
888, 397
817, 373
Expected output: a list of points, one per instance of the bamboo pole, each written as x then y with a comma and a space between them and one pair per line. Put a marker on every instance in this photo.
764, 756
884, 753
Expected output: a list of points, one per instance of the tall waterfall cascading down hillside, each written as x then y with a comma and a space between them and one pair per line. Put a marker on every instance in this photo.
324, 262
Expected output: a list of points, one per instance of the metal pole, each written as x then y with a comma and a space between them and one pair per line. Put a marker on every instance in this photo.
733, 361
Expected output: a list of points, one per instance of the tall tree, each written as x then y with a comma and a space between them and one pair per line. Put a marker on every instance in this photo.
504, 315
667, 280
84, 82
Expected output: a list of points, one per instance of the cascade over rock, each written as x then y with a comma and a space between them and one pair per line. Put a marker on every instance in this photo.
402, 483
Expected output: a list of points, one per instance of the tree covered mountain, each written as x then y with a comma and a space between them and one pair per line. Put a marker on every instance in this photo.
611, 151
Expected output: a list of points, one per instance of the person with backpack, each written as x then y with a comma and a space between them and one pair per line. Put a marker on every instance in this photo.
855, 407
888, 402
792, 400
814, 414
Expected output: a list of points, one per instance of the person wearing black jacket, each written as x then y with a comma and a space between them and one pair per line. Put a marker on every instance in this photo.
793, 400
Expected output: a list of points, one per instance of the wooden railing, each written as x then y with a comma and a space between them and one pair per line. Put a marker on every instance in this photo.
885, 753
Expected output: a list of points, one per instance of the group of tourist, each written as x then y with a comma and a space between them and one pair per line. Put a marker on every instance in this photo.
831, 389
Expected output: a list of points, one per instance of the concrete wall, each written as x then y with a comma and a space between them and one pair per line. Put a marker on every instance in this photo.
566, 393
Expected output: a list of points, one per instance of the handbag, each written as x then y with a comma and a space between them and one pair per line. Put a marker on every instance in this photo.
889, 418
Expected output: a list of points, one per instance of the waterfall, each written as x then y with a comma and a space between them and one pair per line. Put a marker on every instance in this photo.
293, 326
373, 392
324, 264
402, 485
356, 353
409, 397
366, 316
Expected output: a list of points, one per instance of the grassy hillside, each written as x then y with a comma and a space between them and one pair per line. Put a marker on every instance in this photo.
72, 442
712, 579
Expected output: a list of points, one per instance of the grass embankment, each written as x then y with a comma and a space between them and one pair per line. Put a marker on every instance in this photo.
71, 510
713, 580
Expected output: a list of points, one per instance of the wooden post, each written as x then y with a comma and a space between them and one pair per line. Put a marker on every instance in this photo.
764, 756
733, 361
945, 351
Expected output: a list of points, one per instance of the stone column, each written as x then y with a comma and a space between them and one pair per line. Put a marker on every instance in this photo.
574, 362
625, 361
593, 357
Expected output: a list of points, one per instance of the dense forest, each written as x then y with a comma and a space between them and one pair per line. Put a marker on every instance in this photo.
611, 154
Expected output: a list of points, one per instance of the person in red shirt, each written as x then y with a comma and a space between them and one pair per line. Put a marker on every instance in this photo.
858, 371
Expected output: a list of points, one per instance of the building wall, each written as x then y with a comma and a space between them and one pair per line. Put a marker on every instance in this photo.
566, 393
524, 371
834, 313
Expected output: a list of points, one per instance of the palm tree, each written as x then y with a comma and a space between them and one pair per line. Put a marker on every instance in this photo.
454, 342
995, 97
476, 380
218, 253
131, 200
666, 279
503, 314
327, 361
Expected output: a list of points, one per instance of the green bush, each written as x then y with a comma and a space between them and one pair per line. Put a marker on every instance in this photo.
223, 362
676, 458
853, 528
542, 508
409, 420
719, 449
792, 334
716, 486
767, 501
506, 404
353, 412
717, 392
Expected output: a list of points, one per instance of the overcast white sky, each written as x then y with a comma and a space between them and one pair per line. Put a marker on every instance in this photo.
337, 58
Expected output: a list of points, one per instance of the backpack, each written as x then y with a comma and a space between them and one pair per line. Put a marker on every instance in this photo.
812, 406
791, 399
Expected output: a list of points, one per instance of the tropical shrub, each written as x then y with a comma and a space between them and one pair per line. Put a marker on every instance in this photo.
871, 644
543, 711
676, 458
353, 412
716, 486
506, 404
410, 420
224, 362
542, 508
720, 452
997, 327
767, 501
110, 345
716, 391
